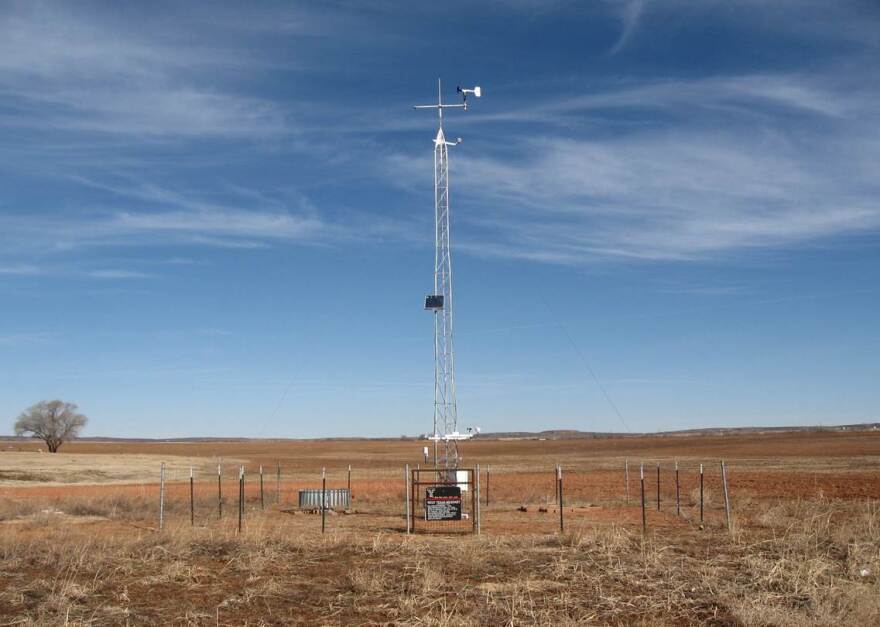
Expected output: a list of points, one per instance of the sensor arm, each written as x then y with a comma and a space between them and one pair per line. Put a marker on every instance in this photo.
440, 106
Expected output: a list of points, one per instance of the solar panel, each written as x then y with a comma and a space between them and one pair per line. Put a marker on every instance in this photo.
434, 301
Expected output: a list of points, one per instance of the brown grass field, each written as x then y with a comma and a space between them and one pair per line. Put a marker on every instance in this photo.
80, 543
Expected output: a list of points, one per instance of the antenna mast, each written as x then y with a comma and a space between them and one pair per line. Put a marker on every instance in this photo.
445, 433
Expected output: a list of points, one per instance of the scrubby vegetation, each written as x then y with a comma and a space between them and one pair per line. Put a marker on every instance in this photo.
800, 562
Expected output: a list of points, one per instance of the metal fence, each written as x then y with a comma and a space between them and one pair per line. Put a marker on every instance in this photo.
510, 499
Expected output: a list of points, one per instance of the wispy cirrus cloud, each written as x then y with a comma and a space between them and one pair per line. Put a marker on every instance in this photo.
21, 269
118, 273
55, 270
630, 11
63, 70
809, 20
96, 98
161, 216
738, 98
672, 196
732, 164
625, 168
223, 226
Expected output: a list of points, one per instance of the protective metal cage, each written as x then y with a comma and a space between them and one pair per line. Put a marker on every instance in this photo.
444, 501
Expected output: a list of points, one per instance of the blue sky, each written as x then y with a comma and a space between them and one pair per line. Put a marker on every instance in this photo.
216, 219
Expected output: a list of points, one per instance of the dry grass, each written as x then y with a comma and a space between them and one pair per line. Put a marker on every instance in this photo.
91, 555
28, 468
806, 562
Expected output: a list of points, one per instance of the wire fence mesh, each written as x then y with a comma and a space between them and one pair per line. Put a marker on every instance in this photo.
514, 498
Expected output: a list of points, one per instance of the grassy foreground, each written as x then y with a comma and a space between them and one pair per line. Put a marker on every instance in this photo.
808, 562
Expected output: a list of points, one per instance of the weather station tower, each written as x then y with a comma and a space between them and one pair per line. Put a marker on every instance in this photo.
445, 433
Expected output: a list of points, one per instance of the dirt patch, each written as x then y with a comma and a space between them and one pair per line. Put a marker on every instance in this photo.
22, 476
54, 517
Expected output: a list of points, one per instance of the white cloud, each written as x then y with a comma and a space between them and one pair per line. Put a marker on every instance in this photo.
62, 70
231, 223
630, 11
118, 274
165, 216
677, 195
733, 163
757, 96
227, 227
23, 269
661, 169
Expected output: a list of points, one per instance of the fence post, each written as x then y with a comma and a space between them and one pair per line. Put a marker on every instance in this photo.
240, 495
161, 496
323, 499
278, 482
477, 500
701, 495
726, 496
407, 496
677, 494
262, 501
626, 478
559, 490
556, 483
487, 485
192, 499
658, 486
350, 497
219, 491
644, 514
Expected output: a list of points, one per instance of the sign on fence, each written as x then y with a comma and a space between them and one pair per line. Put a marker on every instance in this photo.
443, 502
437, 502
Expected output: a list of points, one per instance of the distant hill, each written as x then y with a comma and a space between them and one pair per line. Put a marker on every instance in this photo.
549, 434
572, 434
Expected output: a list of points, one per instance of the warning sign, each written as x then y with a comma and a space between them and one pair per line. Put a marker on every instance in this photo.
443, 502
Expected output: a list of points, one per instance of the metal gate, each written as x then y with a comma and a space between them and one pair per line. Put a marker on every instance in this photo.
441, 500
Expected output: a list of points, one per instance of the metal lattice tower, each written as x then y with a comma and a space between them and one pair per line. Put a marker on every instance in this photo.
445, 434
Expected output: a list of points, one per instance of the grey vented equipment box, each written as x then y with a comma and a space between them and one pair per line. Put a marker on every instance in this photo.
336, 499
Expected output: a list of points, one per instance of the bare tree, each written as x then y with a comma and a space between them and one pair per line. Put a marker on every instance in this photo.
54, 422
